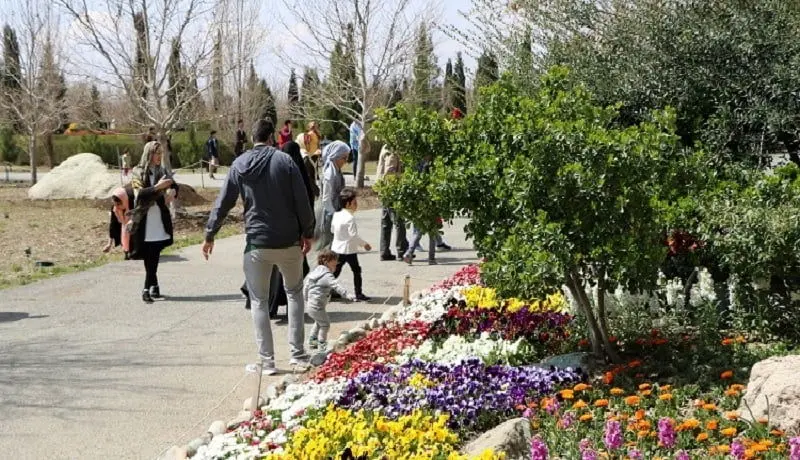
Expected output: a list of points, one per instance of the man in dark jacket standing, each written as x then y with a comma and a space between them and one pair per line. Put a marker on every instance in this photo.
241, 139
279, 224
212, 152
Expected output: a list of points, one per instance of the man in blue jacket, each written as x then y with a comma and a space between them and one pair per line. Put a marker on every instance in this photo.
279, 224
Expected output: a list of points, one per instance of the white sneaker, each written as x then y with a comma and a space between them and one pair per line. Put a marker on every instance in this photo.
266, 369
300, 364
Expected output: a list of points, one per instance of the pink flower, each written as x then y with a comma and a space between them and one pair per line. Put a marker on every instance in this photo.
666, 432
613, 435
794, 448
737, 450
682, 455
539, 449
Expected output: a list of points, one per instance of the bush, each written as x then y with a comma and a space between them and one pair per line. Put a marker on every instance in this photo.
9, 150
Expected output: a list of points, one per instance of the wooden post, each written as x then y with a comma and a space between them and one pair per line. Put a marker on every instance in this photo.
407, 290
257, 392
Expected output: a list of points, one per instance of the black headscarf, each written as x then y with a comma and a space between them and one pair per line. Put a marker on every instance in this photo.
292, 148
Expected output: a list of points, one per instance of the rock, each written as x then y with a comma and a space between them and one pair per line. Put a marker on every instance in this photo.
248, 403
272, 392
357, 333
195, 444
339, 345
585, 361
80, 176
175, 453
288, 379
217, 428
375, 323
319, 358
774, 392
367, 326
512, 438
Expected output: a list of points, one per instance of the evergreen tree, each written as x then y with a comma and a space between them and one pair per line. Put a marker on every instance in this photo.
217, 88
294, 96
11, 72
448, 88
268, 109
488, 71
50, 85
459, 90
309, 94
425, 70
176, 88
140, 77
95, 108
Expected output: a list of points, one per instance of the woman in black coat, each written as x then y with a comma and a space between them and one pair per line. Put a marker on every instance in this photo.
150, 226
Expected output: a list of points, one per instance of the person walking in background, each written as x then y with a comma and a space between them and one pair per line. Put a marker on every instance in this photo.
212, 153
241, 139
408, 257
285, 135
150, 224
126, 163
356, 134
347, 241
333, 158
389, 165
312, 139
279, 224
317, 290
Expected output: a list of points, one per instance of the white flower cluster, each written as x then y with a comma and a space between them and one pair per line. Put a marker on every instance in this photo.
703, 291
292, 405
429, 307
457, 348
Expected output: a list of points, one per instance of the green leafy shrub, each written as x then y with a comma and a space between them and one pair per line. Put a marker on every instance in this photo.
556, 192
9, 150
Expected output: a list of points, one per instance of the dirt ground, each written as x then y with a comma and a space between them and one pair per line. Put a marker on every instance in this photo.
71, 233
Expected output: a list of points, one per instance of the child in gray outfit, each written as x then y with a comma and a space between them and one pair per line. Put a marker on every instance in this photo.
317, 289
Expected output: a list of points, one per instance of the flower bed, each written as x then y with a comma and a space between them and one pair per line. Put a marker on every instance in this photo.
475, 395
379, 346
456, 348
362, 434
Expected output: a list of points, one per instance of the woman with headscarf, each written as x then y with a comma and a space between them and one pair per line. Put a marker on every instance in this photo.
150, 224
333, 158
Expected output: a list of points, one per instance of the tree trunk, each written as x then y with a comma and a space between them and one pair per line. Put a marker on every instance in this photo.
166, 153
32, 156
48, 147
598, 336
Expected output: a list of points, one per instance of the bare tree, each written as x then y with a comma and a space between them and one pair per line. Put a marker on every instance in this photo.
375, 39
34, 100
127, 48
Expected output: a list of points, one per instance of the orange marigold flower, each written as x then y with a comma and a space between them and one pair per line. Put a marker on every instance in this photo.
766, 442
608, 378
632, 400
731, 393
737, 387
729, 432
643, 425
778, 433
690, 424
723, 449
726, 375
581, 387
586, 417
740, 339
567, 394
758, 447
665, 388
646, 392
710, 406
727, 342
644, 386
749, 453
642, 433
702, 437
617, 392
601, 403
665, 397
699, 403
712, 425
732, 415
639, 415
579, 404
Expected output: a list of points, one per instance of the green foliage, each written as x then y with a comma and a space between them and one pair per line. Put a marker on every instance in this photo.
9, 150
488, 70
728, 68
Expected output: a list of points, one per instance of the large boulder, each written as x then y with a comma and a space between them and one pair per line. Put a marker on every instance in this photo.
512, 437
774, 392
81, 176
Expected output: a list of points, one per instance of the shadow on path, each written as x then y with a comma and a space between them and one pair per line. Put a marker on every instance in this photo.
11, 316
205, 298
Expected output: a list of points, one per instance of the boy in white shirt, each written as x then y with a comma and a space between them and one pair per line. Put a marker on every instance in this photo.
346, 240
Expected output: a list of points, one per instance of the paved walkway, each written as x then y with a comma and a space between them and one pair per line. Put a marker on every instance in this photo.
87, 371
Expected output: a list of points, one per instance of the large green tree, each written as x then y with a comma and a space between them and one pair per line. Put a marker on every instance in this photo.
425, 70
293, 96
488, 70
558, 194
